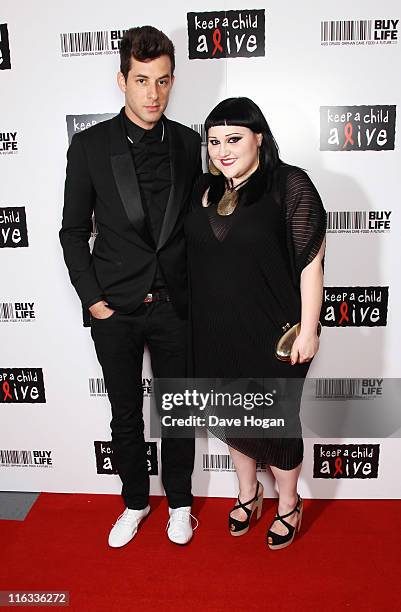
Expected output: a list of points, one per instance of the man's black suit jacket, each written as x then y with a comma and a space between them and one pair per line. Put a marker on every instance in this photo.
101, 179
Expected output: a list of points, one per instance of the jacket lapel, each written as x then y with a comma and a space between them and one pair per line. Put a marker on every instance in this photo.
177, 164
125, 177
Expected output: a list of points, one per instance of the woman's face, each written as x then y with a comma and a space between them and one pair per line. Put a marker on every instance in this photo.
234, 150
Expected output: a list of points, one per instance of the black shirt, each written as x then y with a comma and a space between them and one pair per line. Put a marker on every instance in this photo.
150, 153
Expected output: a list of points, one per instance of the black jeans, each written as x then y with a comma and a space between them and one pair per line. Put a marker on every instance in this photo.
119, 343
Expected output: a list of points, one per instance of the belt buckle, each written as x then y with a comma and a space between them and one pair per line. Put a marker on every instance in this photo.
149, 298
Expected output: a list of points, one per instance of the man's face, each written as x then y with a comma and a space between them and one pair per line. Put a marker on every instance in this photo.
147, 90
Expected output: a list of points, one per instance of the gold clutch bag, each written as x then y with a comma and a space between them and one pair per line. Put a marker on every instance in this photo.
285, 342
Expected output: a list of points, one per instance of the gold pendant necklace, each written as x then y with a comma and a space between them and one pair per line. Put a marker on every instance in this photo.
229, 200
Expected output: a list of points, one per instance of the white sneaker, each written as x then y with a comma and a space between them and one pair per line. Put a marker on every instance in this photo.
179, 528
126, 526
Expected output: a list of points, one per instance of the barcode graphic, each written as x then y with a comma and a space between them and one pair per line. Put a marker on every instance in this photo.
338, 388
346, 220
97, 386
7, 310
349, 30
84, 42
217, 462
200, 128
224, 462
15, 457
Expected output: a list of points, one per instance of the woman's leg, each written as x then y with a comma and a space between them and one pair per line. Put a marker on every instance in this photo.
287, 482
245, 468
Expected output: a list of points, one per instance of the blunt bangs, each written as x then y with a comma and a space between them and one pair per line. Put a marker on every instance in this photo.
236, 111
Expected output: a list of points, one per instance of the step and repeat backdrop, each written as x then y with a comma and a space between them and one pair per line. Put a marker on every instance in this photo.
327, 79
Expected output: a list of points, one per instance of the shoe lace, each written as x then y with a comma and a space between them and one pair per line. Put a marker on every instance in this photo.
124, 519
182, 515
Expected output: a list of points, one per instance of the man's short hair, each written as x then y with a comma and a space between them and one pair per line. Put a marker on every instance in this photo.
144, 43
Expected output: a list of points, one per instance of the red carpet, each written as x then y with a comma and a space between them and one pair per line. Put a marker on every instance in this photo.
346, 556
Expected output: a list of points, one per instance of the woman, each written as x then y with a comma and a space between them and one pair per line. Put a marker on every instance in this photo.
256, 235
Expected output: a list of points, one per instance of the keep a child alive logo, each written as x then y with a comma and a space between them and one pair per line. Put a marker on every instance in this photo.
357, 128
79, 123
354, 306
5, 60
104, 458
22, 386
223, 34
346, 460
13, 228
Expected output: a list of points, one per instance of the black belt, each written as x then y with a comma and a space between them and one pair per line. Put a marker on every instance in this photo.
157, 296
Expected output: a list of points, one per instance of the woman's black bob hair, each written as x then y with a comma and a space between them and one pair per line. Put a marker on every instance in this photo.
244, 112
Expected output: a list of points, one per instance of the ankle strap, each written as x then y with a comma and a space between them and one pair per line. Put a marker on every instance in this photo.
296, 509
244, 504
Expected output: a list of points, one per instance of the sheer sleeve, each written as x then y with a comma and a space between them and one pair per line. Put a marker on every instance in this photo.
305, 219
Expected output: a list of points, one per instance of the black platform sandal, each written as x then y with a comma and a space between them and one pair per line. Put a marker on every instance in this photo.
275, 541
238, 528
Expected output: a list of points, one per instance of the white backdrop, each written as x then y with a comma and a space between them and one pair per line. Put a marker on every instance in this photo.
47, 443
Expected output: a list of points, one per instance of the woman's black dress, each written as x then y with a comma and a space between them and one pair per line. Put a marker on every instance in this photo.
244, 269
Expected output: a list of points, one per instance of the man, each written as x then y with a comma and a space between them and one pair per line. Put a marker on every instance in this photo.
135, 172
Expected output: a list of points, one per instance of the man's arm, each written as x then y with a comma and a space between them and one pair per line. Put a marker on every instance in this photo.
79, 198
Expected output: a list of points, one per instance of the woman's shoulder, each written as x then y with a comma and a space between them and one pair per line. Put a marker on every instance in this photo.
295, 181
288, 171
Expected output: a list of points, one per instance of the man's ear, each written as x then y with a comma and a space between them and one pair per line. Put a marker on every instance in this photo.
121, 82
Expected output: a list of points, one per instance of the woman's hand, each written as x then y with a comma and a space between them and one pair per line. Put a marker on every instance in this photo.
304, 348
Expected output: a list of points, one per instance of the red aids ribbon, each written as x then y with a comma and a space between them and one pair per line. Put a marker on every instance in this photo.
217, 41
338, 464
343, 312
348, 134
6, 389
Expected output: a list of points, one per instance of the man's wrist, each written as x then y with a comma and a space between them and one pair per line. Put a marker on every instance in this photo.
95, 300
99, 305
